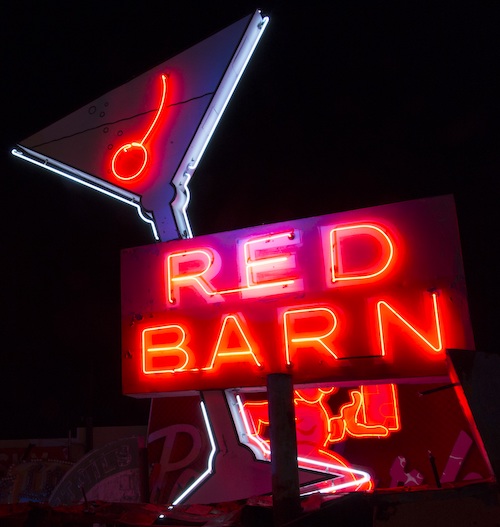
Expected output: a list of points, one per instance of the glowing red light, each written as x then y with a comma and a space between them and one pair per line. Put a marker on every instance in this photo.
233, 343
294, 338
372, 411
265, 262
398, 319
163, 351
319, 298
130, 160
340, 271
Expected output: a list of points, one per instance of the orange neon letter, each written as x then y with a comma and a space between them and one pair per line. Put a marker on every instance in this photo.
395, 317
195, 269
268, 265
233, 343
163, 349
353, 255
306, 328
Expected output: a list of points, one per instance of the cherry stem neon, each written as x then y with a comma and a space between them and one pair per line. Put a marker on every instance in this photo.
126, 148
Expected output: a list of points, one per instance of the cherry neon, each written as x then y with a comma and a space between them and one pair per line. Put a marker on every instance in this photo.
130, 160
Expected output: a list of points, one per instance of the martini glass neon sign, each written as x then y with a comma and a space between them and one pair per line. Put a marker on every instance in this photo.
130, 160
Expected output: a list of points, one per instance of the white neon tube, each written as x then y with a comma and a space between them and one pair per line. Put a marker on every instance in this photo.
212, 117
210, 463
125, 197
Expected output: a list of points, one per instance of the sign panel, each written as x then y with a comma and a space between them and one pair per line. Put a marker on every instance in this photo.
141, 142
368, 295
360, 437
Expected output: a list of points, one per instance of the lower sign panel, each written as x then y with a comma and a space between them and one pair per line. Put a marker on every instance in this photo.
349, 439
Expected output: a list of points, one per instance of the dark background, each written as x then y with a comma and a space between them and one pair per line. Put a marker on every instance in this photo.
345, 105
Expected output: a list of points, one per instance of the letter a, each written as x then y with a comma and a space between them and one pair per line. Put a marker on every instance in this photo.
233, 343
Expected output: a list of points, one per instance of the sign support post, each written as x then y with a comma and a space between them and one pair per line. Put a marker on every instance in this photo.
285, 472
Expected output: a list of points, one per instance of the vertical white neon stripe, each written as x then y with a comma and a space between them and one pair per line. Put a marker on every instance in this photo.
210, 462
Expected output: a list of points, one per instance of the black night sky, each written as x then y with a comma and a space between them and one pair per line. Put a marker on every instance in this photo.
345, 105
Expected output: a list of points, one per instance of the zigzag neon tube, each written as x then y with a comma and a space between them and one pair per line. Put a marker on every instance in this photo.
360, 477
210, 462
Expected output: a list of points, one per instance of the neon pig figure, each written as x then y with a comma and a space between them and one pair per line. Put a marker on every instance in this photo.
130, 160
372, 411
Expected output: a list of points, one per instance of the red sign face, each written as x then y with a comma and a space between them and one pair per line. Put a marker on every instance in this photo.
368, 295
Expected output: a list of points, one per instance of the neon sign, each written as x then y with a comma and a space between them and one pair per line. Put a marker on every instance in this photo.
436, 348
130, 160
368, 295
372, 411
141, 146
196, 268
338, 235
